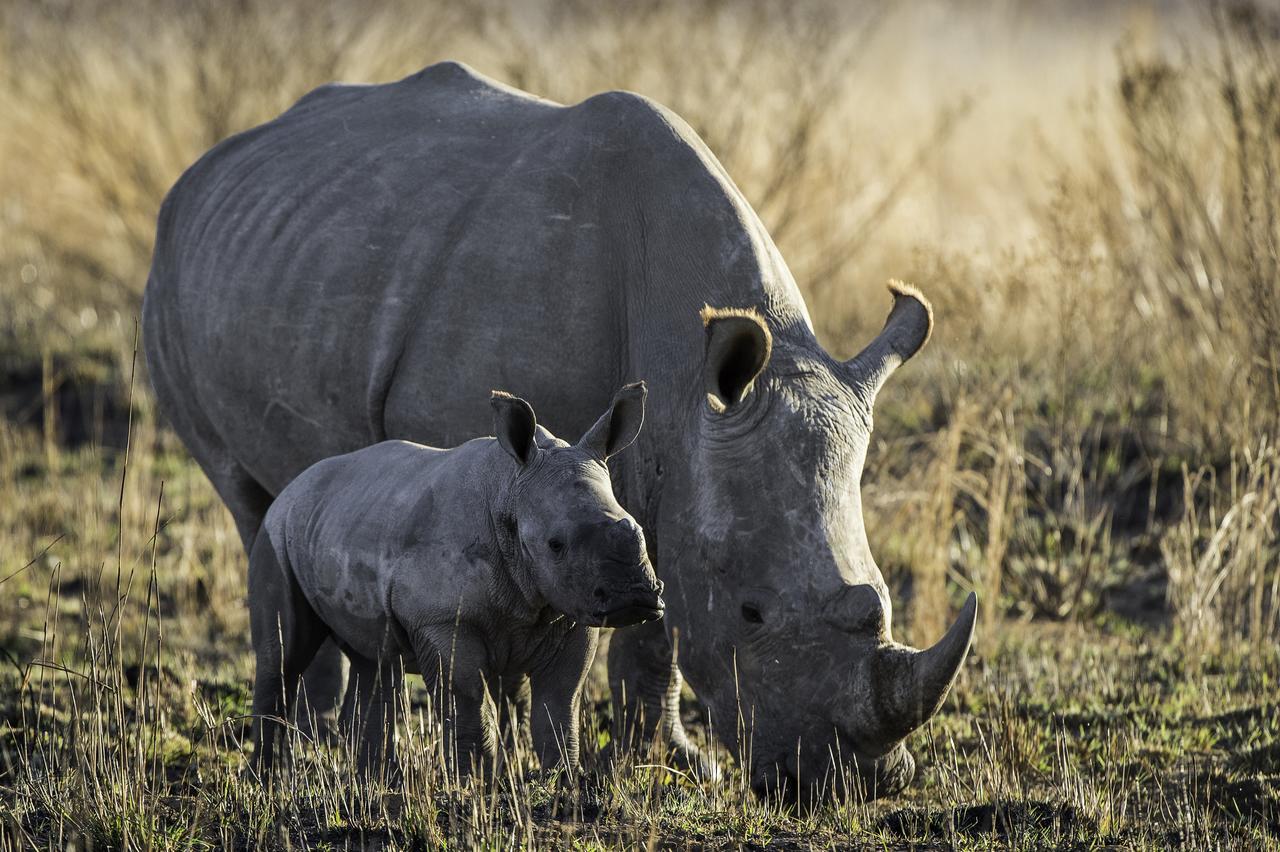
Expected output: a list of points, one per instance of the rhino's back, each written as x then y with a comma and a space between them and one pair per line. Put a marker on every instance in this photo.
365, 503
443, 214
350, 525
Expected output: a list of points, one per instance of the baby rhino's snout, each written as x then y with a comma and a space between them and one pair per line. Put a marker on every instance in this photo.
627, 591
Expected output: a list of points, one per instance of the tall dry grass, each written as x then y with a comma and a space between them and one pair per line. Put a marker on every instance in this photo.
1188, 220
1222, 554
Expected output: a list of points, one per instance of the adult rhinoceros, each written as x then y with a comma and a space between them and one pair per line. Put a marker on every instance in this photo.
369, 264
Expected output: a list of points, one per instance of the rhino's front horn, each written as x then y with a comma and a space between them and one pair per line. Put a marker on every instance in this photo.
913, 684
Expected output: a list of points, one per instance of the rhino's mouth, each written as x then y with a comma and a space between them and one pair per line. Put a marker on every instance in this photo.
872, 778
629, 614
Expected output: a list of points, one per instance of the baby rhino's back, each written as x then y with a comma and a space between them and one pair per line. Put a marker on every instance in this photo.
345, 525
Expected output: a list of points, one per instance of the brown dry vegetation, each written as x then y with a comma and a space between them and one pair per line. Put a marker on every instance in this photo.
1090, 440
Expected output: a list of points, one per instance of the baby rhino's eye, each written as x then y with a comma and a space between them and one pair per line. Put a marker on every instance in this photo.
555, 545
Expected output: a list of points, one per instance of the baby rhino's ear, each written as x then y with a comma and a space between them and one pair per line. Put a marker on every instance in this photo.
620, 425
514, 424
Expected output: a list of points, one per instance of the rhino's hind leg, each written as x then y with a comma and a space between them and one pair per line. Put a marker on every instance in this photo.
316, 714
325, 679
326, 683
369, 715
645, 681
286, 633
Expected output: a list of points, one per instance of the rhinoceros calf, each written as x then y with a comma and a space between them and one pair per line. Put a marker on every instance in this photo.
477, 565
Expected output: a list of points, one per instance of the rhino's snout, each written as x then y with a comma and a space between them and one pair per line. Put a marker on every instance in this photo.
637, 603
636, 613
652, 590
632, 602
627, 591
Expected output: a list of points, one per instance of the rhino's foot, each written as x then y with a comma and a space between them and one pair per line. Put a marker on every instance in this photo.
576, 796
560, 779
702, 765
683, 757
319, 728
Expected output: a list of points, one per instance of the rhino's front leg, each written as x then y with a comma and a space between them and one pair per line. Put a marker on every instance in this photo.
557, 695
645, 681
459, 689
514, 718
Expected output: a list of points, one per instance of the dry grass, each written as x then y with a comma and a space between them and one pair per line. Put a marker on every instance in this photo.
1089, 441
1221, 555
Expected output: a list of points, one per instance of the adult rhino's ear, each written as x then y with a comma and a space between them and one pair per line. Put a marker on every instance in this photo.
618, 426
738, 348
514, 425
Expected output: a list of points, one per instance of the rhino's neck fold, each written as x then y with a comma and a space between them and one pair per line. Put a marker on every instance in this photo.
492, 480
693, 241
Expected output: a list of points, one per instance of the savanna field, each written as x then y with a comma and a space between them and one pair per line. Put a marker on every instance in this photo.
1088, 193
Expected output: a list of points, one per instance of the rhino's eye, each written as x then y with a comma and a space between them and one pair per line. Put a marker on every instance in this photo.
555, 545
751, 614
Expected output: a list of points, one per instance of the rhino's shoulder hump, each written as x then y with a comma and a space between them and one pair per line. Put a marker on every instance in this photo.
619, 105
441, 79
377, 461
393, 455
638, 129
626, 113
450, 72
452, 79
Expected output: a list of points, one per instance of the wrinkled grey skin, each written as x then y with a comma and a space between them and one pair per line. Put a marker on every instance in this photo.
358, 268
476, 567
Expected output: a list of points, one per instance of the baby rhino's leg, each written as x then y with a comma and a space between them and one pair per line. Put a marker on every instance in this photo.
460, 692
286, 633
513, 715
370, 713
557, 693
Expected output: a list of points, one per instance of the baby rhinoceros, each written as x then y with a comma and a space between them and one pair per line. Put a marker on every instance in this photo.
475, 566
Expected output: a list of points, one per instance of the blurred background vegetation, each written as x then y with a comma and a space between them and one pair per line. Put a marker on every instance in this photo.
1088, 192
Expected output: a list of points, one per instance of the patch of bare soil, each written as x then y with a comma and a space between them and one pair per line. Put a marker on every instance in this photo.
1252, 801
1264, 759
84, 400
997, 820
